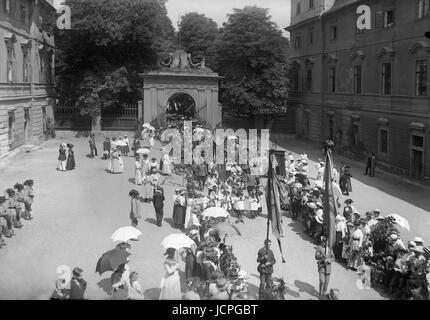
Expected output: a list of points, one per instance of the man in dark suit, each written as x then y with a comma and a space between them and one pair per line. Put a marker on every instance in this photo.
266, 260
158, 201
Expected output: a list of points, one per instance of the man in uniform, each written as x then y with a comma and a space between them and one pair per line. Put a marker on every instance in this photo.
266, 260
324, 257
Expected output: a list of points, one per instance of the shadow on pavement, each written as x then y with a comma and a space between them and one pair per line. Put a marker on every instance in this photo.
132, 181
306, 287
152, 294
151, 220
105, 284
171, 223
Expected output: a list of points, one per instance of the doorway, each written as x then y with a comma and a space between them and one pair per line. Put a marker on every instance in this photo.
181, 105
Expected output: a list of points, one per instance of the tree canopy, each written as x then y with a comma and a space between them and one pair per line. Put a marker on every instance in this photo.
110, 42
251, 54
197, 35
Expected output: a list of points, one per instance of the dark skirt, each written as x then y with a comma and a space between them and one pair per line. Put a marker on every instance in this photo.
179, 216
70, 162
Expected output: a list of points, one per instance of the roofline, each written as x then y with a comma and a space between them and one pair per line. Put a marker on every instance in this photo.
49, 4
302, 23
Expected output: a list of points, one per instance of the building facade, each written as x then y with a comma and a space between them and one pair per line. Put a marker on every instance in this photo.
26, 71
368, 90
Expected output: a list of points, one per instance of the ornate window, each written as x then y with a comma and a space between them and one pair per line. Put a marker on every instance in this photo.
421, 70
423, 8
332, 79
357, 79
386, 78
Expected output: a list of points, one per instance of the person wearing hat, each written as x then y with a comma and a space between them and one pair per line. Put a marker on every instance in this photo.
266, 260
316, 224
341, 231
136, 209
192, 267
106, 148
210, 261
28, 194
77, 285
348, 211
346, 186
180, 207
148, 191
93, 146
62, 157
126, 148
170, 284
71, 164
324, 257
158, 202
117, 161
355, 244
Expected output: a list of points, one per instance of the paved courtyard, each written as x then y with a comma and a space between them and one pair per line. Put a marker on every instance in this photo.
77, 211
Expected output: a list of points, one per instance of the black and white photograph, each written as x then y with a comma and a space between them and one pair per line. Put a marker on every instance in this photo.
245, 150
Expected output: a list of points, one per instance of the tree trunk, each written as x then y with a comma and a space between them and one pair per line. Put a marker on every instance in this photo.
96, 122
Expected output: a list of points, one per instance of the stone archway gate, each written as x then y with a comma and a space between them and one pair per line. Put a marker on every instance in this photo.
181, 75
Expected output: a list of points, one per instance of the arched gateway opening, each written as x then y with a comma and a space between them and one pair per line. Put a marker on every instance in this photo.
181, 104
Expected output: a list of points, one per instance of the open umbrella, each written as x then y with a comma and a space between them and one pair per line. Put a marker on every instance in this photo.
225, 228
398, 219
215, 212
143, 151
177, 241
119, 143
125, 233
151, 128
146, 125
110, 260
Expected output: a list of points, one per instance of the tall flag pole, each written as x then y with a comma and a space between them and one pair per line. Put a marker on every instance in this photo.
273, 205
330, 205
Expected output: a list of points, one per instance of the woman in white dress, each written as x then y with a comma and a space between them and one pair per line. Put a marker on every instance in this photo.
166, 164
137, 171
170, 284
188, 213
135, 291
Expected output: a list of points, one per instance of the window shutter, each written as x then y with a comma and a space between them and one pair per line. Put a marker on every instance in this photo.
379, 20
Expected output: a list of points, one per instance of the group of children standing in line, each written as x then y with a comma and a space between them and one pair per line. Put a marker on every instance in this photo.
16, 204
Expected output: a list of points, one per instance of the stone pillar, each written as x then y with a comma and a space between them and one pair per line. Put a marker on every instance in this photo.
154, 104
147, 110
140, 110
209, 106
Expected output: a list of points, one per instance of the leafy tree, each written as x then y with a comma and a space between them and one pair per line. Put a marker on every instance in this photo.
251, 54
111, 42
197, 35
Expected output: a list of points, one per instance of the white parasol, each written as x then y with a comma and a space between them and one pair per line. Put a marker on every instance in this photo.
146, 125
215, 212
177, 241
398, 219
125, 233
119, 143
143, 151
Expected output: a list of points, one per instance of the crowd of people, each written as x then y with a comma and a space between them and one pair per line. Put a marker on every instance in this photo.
15, 205
368, 244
